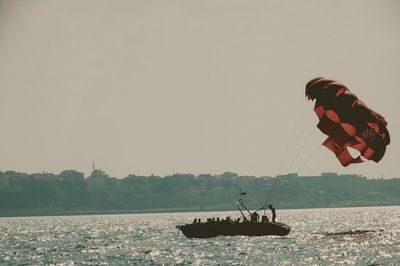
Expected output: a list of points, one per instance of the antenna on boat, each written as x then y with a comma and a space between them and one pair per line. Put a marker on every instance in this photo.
240, 203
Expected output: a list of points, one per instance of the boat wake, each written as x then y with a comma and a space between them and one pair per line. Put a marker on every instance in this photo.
353, 232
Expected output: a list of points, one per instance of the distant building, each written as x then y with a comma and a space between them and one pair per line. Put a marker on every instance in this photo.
329, 174
289, 175
98, 173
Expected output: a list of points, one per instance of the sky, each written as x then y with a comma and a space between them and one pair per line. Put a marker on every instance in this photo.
182, 86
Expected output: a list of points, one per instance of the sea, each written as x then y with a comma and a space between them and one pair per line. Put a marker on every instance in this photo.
318, 237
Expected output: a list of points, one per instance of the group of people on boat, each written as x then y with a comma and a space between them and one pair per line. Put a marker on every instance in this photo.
254, 218
218, 220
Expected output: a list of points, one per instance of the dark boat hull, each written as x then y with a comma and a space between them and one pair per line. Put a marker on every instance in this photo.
213, 229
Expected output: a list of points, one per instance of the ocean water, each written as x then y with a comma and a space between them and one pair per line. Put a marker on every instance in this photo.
152, 239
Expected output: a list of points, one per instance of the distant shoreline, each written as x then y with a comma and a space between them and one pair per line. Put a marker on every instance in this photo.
41, 213
70, 193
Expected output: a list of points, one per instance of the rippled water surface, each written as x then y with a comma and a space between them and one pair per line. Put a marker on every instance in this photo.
152, 239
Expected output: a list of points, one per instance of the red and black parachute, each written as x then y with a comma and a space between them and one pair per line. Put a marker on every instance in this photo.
348, 122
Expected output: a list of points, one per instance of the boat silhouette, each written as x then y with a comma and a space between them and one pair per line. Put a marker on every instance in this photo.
249, 225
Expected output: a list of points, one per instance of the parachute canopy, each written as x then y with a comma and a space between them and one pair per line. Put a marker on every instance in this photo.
348, 122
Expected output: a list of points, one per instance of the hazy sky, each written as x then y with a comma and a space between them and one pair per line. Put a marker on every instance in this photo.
161, 87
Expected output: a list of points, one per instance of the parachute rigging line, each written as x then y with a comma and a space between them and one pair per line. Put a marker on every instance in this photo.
298, 127
309, 158
300, 144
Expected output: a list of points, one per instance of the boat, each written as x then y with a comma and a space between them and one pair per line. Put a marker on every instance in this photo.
213, 229
247, 226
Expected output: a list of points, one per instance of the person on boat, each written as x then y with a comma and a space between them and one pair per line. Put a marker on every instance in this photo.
273, 212
254, 217
264, 219
195, 221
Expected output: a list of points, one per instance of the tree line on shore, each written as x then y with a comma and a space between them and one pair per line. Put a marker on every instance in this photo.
71, 191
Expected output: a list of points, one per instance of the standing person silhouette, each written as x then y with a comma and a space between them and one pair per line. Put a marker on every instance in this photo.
273, 212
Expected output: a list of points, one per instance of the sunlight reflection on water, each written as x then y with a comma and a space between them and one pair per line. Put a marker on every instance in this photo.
153, 239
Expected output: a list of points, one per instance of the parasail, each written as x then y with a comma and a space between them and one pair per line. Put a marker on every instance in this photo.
348, 122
